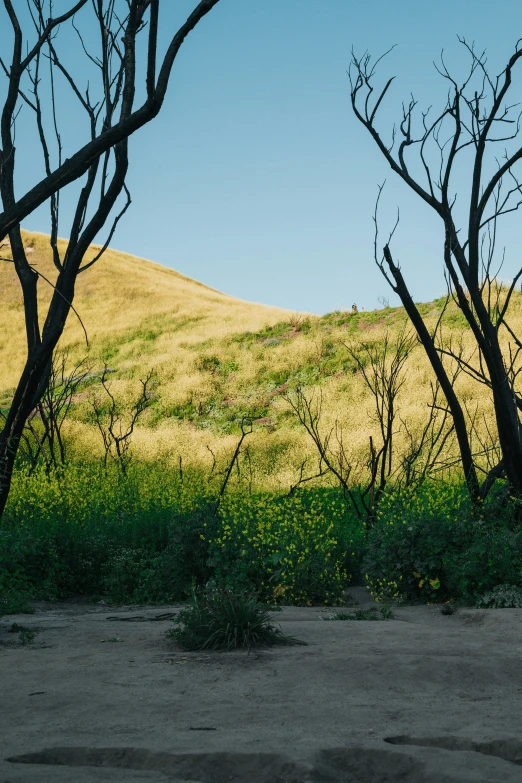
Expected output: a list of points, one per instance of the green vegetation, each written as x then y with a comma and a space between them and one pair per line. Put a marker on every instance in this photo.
94, 532
215, 413
501, 597
303, 549
384, 613
279, 532
153, 535
432, 547
13, 600
148, 536
218, 619
26, 634
270, 335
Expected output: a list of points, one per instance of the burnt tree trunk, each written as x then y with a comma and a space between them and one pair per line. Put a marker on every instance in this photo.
477, 114
111, 118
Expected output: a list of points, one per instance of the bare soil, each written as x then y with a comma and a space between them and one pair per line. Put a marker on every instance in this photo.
101, 694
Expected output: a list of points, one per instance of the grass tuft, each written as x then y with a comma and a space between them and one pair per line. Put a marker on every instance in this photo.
26, 634
223, 620
384, 613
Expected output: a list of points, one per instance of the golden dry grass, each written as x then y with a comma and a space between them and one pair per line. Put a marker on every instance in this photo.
140, 316
123, 299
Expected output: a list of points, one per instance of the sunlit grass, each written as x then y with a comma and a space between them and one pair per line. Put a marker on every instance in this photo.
218, 358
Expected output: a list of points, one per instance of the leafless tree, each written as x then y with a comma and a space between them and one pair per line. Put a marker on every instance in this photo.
429, 450
461, 136
111, 117
116, 422
322, 470
335, 458
43, 438
245, 426
383, 369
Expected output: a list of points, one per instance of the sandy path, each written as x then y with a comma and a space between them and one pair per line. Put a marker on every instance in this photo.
140, 709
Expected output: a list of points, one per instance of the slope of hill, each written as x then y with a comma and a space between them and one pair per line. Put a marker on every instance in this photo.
217, 358
127, 305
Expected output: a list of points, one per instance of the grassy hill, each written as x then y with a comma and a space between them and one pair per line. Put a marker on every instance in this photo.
217, 358
151, 535
131, 308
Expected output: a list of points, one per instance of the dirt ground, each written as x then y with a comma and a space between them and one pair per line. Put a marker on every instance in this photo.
101, 694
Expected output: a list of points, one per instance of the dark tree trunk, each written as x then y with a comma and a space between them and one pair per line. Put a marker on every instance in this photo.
28, 393
111, 119
469, 123
454, 405
506, 411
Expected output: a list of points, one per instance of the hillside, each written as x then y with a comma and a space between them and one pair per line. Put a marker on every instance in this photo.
129, 306
217, 358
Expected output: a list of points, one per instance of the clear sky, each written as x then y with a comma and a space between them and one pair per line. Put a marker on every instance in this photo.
256, 178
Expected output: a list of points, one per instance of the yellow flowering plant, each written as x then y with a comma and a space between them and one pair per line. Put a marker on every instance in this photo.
429, 546
291, 549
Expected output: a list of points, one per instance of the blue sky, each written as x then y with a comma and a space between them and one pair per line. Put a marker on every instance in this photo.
256, 178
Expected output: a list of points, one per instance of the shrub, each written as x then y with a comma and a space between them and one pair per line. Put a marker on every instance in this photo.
302, 549
431, 547
138, 576
223, 620
148, 536
90, 531
12, 602
501, 597
26, 634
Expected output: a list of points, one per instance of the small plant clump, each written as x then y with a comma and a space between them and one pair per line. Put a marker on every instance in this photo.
384, 613
14, 603
218, 619
26, 634
501, 597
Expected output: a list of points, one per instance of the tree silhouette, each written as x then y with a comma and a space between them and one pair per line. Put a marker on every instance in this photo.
461, 136
102, 162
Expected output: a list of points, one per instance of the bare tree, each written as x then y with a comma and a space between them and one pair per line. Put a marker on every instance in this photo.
43, 436
116, 424
246, 429
322, 470
383, 370
476, 116
429, 450
333, 455
111, 117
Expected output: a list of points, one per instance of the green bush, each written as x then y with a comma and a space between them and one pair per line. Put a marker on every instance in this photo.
302, 549
26, 634
138, 576
219, 619
501, 597
432, 547
148, 537
14, 602
89, 531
